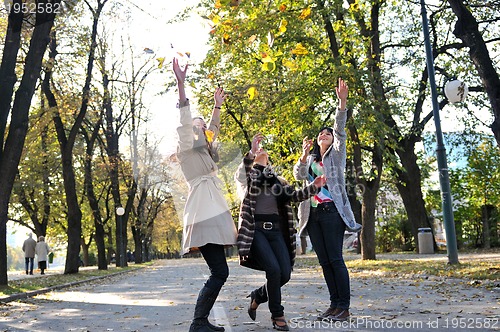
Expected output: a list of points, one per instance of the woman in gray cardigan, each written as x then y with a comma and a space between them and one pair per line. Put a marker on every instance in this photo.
207, 222
326, 216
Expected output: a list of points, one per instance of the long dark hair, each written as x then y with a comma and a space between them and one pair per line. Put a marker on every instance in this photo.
315, 152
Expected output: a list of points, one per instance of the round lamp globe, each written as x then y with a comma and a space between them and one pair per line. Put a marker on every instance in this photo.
120, 211
455, 91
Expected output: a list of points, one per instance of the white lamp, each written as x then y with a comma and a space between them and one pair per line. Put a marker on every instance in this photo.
455, 91
120, 211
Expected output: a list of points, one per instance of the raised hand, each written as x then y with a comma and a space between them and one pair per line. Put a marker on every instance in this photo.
255, 142
342, 91
261, 157
219, 97
180, 73
306, 145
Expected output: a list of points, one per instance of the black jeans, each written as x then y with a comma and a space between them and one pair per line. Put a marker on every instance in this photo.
326, 231
215, 256
270, 251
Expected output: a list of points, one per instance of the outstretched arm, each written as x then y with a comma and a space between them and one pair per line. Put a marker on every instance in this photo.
219, 97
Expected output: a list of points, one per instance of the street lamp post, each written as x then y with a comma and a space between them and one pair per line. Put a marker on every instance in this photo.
444, 180
121, 252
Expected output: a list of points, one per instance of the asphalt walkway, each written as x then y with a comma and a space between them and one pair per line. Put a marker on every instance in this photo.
162, 297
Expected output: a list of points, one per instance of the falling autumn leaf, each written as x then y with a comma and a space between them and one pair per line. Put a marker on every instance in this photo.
282, 7
305, 13
160, 62
300, 50
252, 93
210, 135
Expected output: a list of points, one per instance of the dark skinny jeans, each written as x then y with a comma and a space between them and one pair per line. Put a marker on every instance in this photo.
326, 231
215, 256
270, 251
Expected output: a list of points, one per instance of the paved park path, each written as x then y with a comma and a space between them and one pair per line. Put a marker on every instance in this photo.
162, 297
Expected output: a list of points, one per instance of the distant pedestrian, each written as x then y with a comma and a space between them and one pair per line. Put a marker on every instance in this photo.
29, 253
42, 250
266, 235
207, 222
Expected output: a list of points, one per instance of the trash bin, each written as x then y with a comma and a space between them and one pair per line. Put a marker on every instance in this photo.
425, 242
51, 258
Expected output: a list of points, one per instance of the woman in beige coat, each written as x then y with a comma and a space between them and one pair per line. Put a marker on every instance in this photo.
42, 250
207, 223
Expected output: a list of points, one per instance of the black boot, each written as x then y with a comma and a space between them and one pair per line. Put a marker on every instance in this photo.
204, 304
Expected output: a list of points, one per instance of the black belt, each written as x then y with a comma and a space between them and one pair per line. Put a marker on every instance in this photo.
327, 206
267, 225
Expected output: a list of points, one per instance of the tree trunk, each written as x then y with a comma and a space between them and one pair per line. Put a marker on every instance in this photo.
368, 245
85, 253
369, 190
112, 150
66, 144
12, 150
102, 261
8, 79
8, 76
487, 212
409, 185
356, 205
467, 30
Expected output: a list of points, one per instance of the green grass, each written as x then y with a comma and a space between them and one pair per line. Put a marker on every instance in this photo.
407, 266
476, 270
40, 282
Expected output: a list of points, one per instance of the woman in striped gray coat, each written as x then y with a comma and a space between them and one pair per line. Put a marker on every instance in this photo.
266, 235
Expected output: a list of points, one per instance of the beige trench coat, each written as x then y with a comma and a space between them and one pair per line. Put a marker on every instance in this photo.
206, 215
